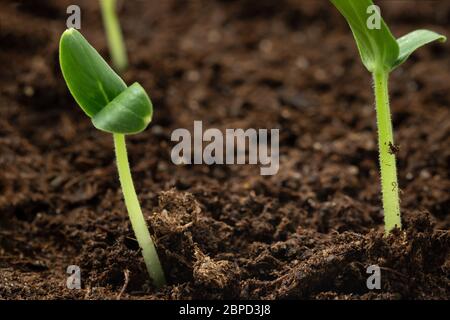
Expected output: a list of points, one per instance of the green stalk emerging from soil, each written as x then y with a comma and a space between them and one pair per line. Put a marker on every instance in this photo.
117, 109
135, 213
381, 53
388, 165
114, 35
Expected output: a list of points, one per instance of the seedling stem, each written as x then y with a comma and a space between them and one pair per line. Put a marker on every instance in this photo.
388, 166
114, 35
135, 213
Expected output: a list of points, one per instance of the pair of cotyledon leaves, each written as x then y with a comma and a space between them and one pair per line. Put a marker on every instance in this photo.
378, 48
101, 93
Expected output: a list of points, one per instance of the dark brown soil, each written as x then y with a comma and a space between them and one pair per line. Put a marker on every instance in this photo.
308, 232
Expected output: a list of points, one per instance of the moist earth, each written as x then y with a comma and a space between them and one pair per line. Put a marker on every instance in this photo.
225, 232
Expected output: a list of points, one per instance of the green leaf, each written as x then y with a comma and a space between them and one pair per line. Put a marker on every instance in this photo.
414, 40
99, 91
90, 79
130, 112
377, 47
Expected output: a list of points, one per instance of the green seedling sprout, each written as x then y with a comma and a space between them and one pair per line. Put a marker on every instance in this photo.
114, 35
114, 108
381, 53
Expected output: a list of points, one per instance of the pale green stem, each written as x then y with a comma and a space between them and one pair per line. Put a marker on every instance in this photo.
134, 211
114, 35
388, 166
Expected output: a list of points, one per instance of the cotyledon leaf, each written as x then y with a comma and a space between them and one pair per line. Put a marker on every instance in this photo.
377, 47
130, 112
99, 91
92, 82
414, 40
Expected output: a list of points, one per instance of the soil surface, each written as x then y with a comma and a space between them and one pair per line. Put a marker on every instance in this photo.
308, 232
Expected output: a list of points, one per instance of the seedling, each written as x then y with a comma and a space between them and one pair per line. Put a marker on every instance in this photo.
381, 53
114, 35
114, 108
